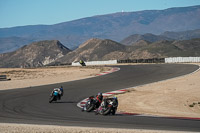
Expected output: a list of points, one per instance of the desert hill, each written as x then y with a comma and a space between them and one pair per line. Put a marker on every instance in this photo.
181, 48
53, 52
93, 49
130, 40
183, 35
34, 55
97, 49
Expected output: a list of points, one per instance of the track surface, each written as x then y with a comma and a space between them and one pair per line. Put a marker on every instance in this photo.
30, 105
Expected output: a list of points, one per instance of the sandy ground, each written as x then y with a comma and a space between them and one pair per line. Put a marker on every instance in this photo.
21, 77
25, 128
174, 97
178, 97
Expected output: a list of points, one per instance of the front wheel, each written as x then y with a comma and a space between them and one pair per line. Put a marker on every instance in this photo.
52, 98
89, 107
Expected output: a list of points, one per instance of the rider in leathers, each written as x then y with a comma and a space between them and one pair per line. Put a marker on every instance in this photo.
99, 99
60, 92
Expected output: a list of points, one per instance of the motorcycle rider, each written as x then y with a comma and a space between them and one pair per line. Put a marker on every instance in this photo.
113, 99
105, 109
82, 63
99, 99
60, 92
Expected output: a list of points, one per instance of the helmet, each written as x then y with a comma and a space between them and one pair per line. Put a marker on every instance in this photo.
100, 94
115, 97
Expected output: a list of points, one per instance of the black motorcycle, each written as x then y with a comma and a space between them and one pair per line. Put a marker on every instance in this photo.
107, 107
54, 97
91, 104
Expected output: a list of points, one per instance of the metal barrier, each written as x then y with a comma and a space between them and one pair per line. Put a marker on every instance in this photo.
58, 64
153, 60
96, 63
3, 78
182, 60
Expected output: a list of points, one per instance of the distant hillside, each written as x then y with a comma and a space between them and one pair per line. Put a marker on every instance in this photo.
184, 35
93, 49
9, 44
114, 26
34, 55
184, 48
147, 37
97, 49
53, 52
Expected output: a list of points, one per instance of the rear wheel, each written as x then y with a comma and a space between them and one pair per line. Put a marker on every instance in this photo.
113, 111
107, 111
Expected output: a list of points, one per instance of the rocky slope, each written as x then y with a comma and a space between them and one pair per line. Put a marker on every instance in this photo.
93, 49
53, 52
182, 48
97, 49
34, 55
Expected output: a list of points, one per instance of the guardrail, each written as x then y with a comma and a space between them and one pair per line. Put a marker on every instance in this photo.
152, 60
96, 63
3, 78
58, 64
182, 60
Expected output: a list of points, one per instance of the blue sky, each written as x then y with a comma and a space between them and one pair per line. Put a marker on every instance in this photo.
32, 12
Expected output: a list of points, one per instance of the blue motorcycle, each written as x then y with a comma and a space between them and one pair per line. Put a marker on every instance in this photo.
54, 97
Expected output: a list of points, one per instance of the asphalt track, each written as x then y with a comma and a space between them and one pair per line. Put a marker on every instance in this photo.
30, 105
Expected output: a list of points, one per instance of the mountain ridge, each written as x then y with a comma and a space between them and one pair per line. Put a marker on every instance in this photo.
53, 52
170, 36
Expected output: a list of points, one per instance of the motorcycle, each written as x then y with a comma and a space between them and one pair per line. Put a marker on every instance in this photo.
82, 63
54, 97
91, 104
107, 108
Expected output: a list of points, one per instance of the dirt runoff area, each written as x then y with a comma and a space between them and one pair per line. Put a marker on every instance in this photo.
26, 128
21, 78
179, 97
